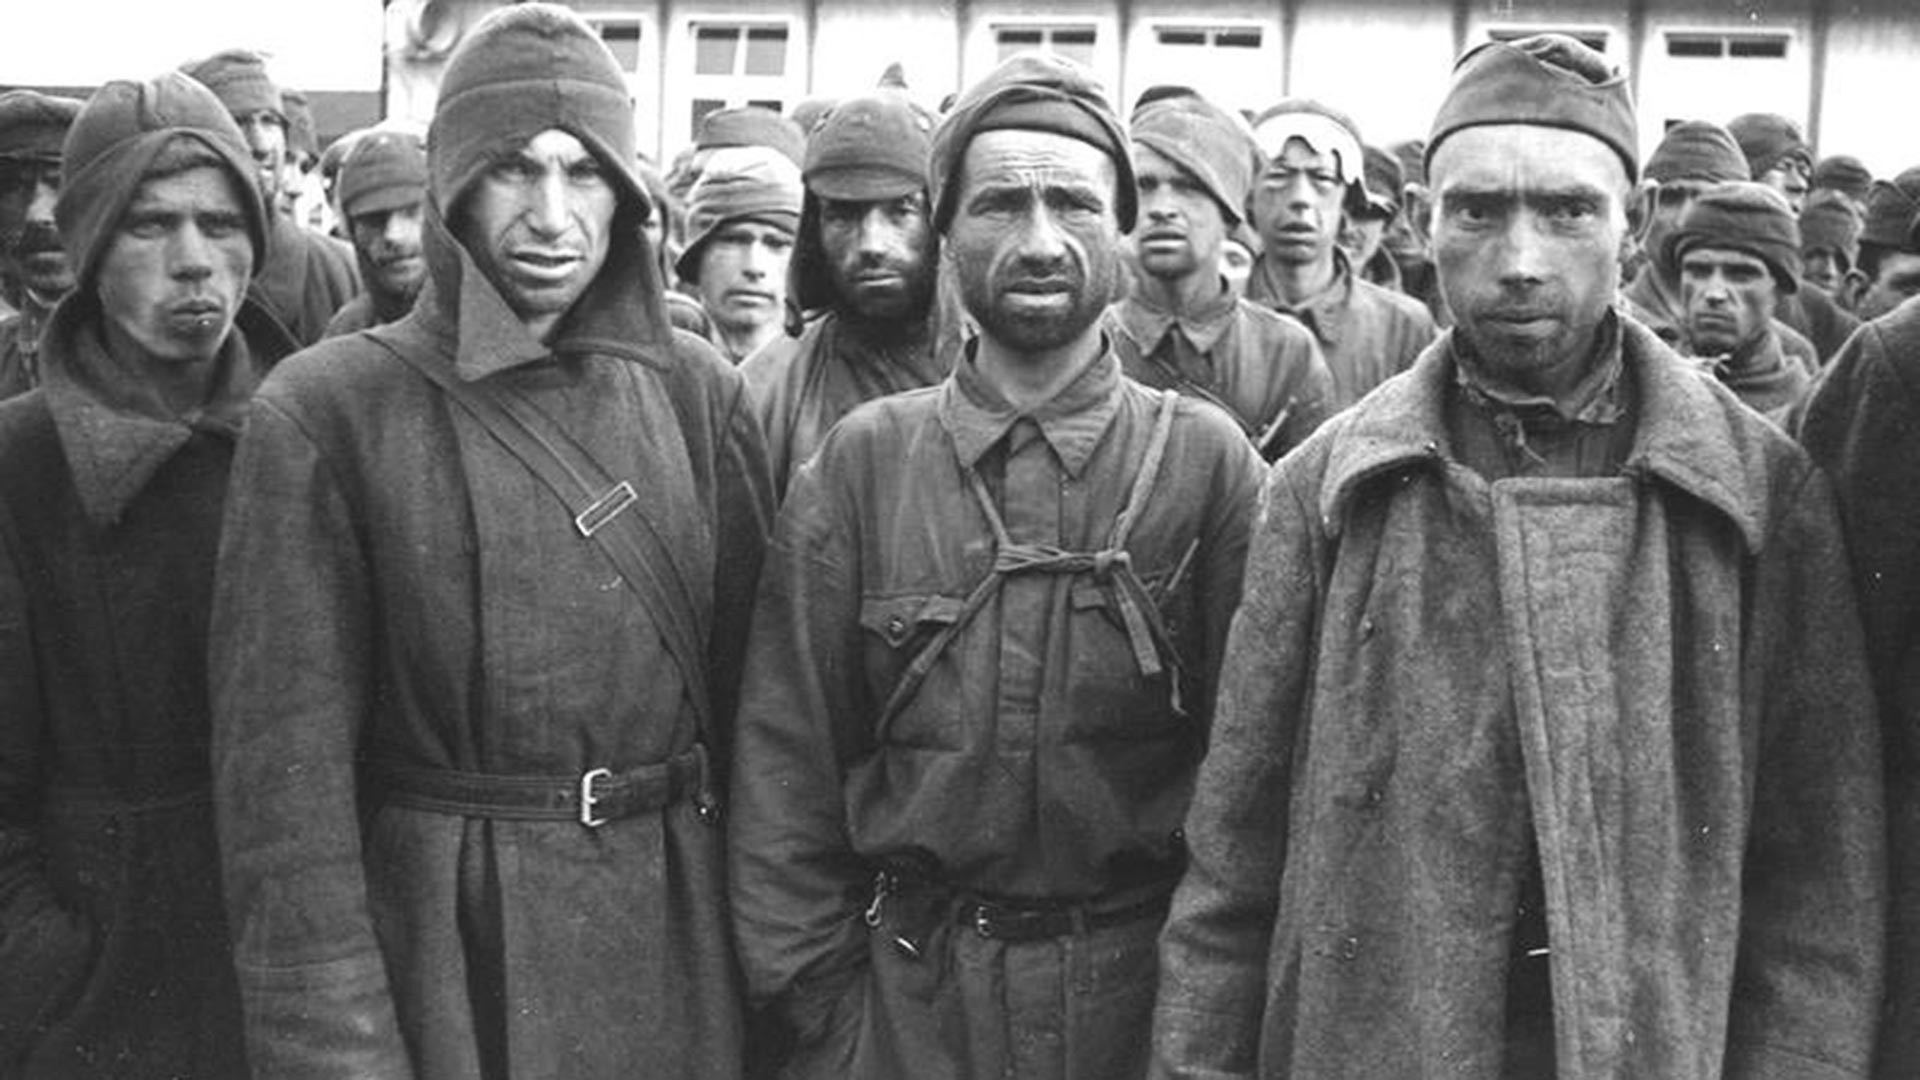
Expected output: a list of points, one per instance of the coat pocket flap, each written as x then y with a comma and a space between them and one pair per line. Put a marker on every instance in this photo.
895, 618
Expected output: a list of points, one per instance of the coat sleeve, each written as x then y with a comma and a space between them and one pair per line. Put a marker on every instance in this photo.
45, 948
798, 891
1863, 427
1214, 950
292, 684
743, 515
1809, 968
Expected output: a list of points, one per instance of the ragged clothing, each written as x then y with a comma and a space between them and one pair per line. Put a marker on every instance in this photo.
974, 666
1762, 377
1653, 677
306, 279
1367, 334
1651, 307
113, 938
1264, 368
20, 346
399, 595
802, 386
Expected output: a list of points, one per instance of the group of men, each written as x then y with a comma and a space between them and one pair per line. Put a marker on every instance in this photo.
1032, 657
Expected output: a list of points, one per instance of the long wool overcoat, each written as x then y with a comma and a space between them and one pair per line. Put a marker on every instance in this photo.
395, 585
113, 945
1658, 675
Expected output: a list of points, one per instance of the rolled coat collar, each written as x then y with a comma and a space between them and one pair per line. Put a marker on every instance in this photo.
115, 431
1693, 433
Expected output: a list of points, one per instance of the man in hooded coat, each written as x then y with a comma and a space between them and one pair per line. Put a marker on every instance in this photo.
466, 726
113, 474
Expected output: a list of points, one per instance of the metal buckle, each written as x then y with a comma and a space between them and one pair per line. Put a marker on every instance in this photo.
587, 798
982, 921
605, 508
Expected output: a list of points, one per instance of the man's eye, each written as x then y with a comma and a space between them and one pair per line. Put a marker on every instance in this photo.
146, 228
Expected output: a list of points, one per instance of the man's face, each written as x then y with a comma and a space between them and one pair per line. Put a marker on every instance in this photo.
1360, 237
177, 267
266, 135
743, 274
1670, 200
1789, 178
29, 242
1823, 268
1728, 297
1897, 280
1035, 242
1529, 226
388, 242
1180, 228
1296, 204
538, 223
880, 254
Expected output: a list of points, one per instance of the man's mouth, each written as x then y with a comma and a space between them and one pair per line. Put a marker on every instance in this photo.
545, 265
196, 316
755, 297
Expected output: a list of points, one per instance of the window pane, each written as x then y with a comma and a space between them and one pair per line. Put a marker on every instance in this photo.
1182, 35
767, 51
769, 103
624, 40
1693, 45
1238, 39
1075, 45
703, 106
713, 49
1762, 47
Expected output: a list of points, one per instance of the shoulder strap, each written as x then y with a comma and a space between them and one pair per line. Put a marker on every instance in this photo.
598, 505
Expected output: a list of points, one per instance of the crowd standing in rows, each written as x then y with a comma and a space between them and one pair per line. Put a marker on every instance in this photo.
1236, 601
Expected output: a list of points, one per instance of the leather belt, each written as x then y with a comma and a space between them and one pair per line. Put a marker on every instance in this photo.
1017, 922
592, 798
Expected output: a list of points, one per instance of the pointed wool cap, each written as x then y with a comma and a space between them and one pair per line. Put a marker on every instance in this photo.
115, 138
238, 77
523, 70
1548, 80
1211, 144
1743, 216
1699, 151
33, 125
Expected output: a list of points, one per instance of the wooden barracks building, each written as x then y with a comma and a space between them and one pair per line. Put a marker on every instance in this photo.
1843, 68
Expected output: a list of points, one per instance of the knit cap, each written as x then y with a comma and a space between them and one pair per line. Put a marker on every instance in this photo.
1742, 216
1699, 151
870, 147
1031, 91
1211, 144
521, 71
238, 77
33, 125
1828, 221
1325, 130
114, 139
1893, 209
751, 125
1548, 80
1768, 140
384, 170
1844, 174
1412, 156
1383, 180
740, 182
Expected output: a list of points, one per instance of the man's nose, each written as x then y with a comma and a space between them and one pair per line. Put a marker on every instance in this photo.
1523, 251
190, 255
40, 207
547, 203
1041, 239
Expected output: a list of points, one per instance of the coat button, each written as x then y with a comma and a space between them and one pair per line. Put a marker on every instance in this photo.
896, 626
1349, 948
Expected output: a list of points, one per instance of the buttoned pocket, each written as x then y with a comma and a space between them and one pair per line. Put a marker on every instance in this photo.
900, 621
897, 629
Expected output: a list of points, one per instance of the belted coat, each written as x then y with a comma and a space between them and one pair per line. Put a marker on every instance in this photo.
396, 587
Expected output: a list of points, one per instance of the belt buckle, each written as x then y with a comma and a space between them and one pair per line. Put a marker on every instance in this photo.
605, 508
588, 800
982, 921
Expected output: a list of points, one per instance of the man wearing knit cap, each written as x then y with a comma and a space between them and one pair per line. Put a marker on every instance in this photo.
1862, 425
1888, 270
742, 125
741, 220
1182, 328
1311, 176
1844, 175
1829, 241
980, 670
1365, 231
1403, 240
112, 477
1545, 745
1777, 155
307, 277
1738, 248
382, 194
862, 273
33, 266
480, 607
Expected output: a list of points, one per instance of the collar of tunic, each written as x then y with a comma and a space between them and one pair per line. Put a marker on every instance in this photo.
1325, 312
1595, 399
1148, 322
977, 416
